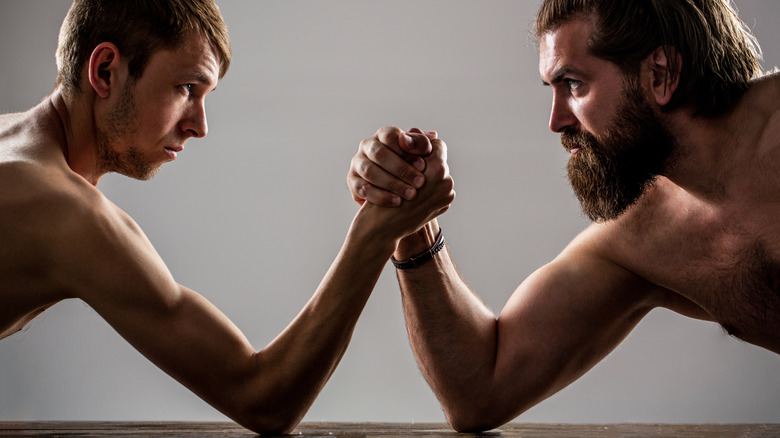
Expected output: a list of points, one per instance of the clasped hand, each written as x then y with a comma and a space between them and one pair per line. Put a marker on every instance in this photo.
406, 171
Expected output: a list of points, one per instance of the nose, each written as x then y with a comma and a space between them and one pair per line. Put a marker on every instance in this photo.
195, 123
561, 116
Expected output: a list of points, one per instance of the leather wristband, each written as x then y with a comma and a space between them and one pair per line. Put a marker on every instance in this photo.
423, 257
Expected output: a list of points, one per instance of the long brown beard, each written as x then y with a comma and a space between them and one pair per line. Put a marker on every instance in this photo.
610, 175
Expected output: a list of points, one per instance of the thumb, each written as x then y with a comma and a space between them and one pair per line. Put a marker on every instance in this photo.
415, 142
438, 152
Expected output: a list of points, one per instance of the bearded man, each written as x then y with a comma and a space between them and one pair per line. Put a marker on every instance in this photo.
673, 137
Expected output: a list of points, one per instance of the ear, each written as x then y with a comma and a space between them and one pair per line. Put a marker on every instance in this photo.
664, 63
102, 68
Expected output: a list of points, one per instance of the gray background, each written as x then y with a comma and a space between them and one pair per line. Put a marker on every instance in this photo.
252, 216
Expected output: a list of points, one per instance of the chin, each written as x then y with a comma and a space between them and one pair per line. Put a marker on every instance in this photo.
142, 174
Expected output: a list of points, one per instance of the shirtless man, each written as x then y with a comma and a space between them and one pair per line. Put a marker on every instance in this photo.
132, 79
674, 143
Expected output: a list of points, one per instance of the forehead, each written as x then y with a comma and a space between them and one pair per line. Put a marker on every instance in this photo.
566, 48
194, 59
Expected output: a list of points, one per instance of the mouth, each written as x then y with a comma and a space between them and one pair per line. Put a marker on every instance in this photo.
570, 148
573, 141
172, 151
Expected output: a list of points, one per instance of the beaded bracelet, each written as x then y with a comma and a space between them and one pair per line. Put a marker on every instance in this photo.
423, 257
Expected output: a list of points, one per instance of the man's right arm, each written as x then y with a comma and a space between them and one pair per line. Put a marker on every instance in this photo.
561, 321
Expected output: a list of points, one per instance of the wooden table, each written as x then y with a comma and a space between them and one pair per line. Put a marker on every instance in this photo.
361, 430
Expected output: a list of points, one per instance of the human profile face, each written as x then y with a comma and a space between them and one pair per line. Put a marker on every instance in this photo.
586, 89
609, 174
617, 143
153, 116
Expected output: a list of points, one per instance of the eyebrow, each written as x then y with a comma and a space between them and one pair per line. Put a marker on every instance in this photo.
560, 74
200, 77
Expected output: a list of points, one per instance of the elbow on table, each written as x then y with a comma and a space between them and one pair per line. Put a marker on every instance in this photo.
265, 417
475, 415
472, 425
264, 404
282, 424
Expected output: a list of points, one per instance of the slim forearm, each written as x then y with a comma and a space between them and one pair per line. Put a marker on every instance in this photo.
453, 334
294, 368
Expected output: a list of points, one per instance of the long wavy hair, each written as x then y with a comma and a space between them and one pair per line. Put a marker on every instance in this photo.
718, 54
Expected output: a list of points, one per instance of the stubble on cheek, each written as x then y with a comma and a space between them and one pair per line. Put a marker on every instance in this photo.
121, 122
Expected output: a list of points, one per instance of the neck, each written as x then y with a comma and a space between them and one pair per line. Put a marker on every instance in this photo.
722, 156
698, 159
710, 154
78, 140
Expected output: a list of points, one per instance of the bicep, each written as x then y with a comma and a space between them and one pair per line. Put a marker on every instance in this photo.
120, 275
194, 343
563, 320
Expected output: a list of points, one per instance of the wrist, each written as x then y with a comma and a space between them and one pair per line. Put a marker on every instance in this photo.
417, 242
423, 257
366, 228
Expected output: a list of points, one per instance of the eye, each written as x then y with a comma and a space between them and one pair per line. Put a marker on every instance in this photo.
573, 84
187, 87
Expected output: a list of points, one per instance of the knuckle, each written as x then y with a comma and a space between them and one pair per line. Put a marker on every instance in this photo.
388, 130
389, 134
362, 190
438, 171
363, 168
355, 164
378, 151
439, 150
358, 188
370, 147
371, 173
388, 150
365, 144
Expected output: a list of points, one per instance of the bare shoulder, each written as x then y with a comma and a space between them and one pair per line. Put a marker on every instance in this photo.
62, 238
630, 252
764, 105
595, 263
769, 81
51, 216
104, 254
65, 237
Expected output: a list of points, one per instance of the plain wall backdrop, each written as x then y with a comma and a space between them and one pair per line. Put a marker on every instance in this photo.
252, 215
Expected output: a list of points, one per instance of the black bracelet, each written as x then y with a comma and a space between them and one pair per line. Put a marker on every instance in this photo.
423, 257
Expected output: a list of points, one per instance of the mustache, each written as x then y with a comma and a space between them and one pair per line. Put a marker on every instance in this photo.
573, 139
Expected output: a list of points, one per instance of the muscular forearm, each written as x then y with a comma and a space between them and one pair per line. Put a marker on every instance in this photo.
453, 334
559, 322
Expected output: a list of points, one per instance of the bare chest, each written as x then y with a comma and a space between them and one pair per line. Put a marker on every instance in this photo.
730, 268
